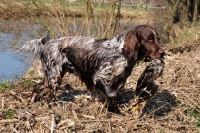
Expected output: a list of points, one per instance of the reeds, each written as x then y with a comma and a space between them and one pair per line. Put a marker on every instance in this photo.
87, 18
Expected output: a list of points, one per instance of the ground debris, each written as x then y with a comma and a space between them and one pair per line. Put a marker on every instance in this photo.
175, 108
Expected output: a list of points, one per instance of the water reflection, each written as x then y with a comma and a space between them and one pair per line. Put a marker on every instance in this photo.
12, 66
12, 36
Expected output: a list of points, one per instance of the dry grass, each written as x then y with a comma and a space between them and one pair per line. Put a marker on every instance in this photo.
64, 19
175, 108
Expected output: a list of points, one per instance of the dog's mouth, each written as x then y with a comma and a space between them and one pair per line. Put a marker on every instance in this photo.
148, 58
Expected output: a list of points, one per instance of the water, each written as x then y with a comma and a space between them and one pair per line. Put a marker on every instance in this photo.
12, 35
12, 66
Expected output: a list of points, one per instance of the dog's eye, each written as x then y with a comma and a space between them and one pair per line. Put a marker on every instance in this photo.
150, 39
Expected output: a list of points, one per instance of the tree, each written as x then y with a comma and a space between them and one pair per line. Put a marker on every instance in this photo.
182, 12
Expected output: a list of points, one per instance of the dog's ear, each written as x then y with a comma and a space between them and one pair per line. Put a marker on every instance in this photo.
131, 46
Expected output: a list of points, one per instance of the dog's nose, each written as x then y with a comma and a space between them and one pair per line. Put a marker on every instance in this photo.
162, 53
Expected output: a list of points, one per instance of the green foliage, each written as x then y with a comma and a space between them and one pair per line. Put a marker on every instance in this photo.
28, 83
196, 115
5, 85
193, 113
187, 32
77, 4
42, 1
10, 113
32, 72
198, 122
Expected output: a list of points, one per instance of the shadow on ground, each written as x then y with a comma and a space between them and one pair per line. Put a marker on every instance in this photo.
68, 93
160, 105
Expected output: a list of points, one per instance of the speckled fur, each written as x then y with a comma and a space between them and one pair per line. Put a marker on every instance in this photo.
102, 64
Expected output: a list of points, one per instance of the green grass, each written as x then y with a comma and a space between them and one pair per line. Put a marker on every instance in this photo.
189, 32
10, 113
28, 83
42, 1
193, 113
31, 73
5, 85
198, 122
196, 115
77, 4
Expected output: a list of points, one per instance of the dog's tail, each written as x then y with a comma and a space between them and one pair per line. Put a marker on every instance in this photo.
32, 49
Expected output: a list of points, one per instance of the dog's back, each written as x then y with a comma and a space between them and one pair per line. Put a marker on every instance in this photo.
103, 64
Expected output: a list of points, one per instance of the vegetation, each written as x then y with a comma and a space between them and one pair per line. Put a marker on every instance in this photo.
194, 113
97, 19
9, 113
5, 85
182, 13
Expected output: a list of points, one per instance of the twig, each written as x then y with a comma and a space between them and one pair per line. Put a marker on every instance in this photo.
68, 121
122, 130
103, 106
42, 118
62, 122
17, 96
158, 108
192, 101
87, 116
2, 103
74, 114
110, 127
8, 121
14, 129
92, 120
28, 124
41, 131
52, 124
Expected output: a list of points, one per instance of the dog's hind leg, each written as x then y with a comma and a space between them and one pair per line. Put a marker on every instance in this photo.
38, 88
54, 76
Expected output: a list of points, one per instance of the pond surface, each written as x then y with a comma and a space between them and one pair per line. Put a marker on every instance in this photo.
12, 35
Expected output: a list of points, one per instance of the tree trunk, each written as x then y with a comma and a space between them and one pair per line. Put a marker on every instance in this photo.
182, 13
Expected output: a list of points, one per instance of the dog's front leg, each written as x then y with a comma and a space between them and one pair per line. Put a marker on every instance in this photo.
102, 85
111, 94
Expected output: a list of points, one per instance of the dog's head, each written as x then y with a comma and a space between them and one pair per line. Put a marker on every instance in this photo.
143, 43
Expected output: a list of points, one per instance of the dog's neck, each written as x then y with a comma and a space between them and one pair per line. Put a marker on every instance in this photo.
118, 42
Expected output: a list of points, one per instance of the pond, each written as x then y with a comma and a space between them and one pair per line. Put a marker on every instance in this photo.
12, 35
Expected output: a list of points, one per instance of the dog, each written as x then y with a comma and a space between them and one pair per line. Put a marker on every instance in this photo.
102, 64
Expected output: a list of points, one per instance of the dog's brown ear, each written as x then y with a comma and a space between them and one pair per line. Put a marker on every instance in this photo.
131, 46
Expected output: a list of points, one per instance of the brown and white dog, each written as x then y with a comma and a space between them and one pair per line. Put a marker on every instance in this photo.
103, 64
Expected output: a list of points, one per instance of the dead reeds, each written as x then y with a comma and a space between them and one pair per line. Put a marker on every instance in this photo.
88, 18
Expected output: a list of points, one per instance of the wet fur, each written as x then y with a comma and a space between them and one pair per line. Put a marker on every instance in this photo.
103, 64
